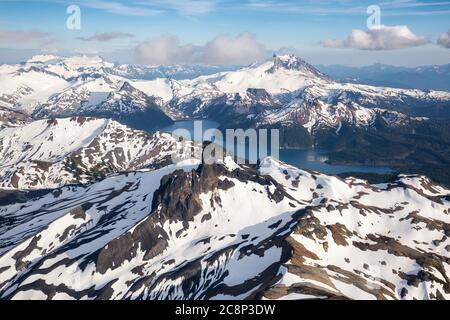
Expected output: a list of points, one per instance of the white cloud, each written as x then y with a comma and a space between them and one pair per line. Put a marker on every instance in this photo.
444, 39
188, 7
121, 8
239, 50
163, 50
379, 38
222, 50
149, 7
19, 36
106, 36
198, 7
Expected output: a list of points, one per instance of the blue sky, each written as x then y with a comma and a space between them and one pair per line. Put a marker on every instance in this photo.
320, 30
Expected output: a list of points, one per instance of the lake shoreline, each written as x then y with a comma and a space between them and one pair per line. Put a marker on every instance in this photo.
313, 158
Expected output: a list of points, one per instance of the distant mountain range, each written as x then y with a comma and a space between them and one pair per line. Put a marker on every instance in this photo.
426, 77
406, 129
92, 208
176, 72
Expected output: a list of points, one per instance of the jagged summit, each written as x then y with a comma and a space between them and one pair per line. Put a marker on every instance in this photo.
127, 87
288, 61
270, 92
220, 231
294, 63
92, 209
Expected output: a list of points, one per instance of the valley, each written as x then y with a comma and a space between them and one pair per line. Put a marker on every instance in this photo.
306, 158
92, 205
360, 126
191, 231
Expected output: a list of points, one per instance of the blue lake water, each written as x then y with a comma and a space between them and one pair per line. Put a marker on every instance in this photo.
313, 159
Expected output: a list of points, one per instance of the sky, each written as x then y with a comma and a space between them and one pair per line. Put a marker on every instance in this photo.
226, 32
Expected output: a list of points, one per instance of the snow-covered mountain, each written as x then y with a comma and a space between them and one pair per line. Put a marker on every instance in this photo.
245, 91
84, 94
50, 86
91, 208
287, 90
24, 89
292, 91
433, 77
69, 68
26, 86
223, 231
51, 153
176, 72
283, 90
107, 97
278, 75
331, 105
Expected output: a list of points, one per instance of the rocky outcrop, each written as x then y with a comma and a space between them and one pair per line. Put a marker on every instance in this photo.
11, 118
197, 231
53, 153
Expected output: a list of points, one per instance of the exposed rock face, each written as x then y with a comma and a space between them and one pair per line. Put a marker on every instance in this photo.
122, 102
195, 231
90, 208
53, 153
294, 63
131, 107
284, 92
270, 92
11, 118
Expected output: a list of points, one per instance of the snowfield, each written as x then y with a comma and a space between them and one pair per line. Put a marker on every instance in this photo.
283, 90
221, 231
51, 153
93, 209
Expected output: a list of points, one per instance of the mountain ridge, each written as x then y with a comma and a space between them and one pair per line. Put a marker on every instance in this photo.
51, 153
432, 77
284, 92
196, 238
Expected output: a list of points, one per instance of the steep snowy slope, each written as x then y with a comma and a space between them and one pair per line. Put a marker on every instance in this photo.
24, 89
364, 241
52, 153
283, 74
331, 105
82, 94
231, 93
291, 90
107, 97
69, 68
280, 75
282, 90
161, 88
130, 106
26, 86
228, 232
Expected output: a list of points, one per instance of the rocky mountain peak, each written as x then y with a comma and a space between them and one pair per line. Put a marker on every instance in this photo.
294, 63
127, 87
289, 61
